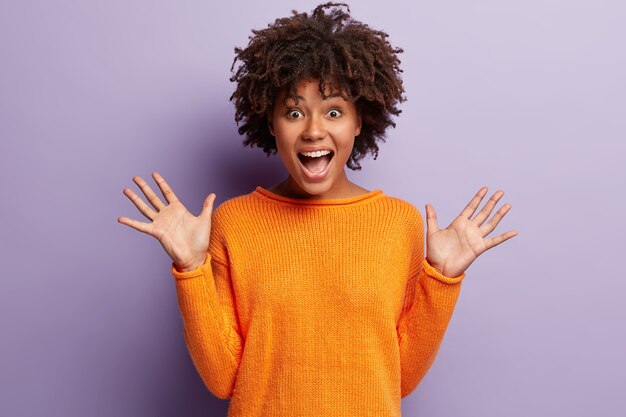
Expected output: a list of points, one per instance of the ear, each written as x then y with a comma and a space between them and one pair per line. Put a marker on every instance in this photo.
359, 122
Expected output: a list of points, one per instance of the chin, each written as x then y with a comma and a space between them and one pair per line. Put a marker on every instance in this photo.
316, 189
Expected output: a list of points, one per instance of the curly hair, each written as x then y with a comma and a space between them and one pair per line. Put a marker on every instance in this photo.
340, 52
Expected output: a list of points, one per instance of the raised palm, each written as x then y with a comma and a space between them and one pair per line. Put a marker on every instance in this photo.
184, 237
452, 250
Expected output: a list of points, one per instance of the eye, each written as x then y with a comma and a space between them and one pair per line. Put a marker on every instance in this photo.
334, 113
293, 113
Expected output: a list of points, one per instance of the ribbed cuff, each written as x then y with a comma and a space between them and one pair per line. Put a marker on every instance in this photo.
198, 272
431, 271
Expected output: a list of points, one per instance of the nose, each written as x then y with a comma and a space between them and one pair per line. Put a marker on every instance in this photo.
314, 129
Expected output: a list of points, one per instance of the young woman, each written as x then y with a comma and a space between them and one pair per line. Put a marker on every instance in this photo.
314, 297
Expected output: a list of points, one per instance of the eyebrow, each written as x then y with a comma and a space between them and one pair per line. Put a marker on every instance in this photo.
303, 99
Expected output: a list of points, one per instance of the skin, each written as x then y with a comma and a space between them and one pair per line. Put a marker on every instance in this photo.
332, 122
184, 237
453, 249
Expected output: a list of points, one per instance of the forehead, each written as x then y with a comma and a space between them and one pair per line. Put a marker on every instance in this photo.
308, 88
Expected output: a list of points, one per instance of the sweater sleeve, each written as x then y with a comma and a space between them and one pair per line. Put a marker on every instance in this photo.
431, 298
211, 328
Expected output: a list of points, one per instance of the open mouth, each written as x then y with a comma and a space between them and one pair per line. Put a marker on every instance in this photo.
317, 165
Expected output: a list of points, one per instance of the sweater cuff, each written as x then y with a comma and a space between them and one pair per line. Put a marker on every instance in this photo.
432, 272
198, 272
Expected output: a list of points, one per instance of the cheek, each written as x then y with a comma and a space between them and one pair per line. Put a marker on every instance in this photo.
282, 141
347, 144
284, 146
285, 134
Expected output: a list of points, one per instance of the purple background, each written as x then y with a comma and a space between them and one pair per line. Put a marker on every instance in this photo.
524, 96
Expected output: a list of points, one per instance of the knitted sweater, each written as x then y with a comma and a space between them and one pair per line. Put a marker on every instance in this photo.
314, 307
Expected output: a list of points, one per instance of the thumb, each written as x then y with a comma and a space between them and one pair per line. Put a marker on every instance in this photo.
431, 220
207, 207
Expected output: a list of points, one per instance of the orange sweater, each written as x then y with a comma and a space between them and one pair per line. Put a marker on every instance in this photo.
315, 308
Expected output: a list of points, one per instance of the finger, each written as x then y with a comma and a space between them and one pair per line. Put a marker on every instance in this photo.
150, 195
165, 188
495, 241
486, 211
207, 206
473, 204
431, 220
491, 224
141, 226
143, 207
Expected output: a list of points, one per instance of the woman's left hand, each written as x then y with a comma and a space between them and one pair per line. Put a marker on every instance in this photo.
452, 250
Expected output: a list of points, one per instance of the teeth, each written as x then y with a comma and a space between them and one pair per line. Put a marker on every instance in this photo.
315, 154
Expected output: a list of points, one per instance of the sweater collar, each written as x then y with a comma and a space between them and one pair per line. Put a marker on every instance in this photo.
324, 202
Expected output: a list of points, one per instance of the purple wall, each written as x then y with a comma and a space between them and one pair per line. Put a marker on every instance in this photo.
524, 96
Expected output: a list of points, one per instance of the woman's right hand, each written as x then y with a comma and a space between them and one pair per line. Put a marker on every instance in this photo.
184, 236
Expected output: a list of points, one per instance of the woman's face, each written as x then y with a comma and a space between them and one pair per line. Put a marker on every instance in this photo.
326, 127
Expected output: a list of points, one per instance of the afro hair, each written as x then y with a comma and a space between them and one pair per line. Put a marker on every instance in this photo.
347, 55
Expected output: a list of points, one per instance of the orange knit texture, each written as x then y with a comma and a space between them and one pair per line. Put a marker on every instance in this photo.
315, 307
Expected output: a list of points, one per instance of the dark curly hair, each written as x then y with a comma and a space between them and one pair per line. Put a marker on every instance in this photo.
341, 52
